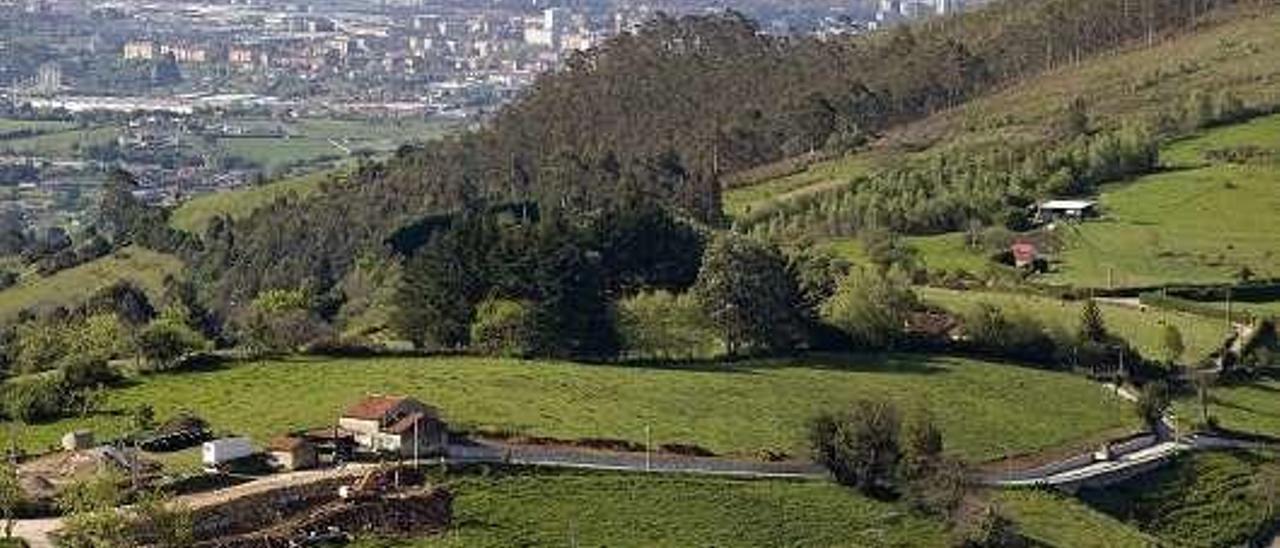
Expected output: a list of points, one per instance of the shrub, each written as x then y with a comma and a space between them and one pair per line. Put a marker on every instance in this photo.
871, 308
663, 325
989, 529
859, 446
1013, 334
163, 342
35, 398
82, 371
1152, 404
503, 328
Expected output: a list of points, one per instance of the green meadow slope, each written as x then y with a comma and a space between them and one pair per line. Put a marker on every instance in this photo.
1204, 220
71, 286
194, 214
547, 508
986, 410
1053, 519
1200, 220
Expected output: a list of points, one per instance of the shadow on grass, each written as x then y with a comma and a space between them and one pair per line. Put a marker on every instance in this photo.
913, 364
888, 363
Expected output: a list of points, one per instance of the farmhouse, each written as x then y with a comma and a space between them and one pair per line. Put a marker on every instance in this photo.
1065, 210
394, 424
293, 453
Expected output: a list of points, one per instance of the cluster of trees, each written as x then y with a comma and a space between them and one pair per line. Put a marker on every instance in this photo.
546, 286
61, 358
871, 447
1091, 348
662, 114
951, 191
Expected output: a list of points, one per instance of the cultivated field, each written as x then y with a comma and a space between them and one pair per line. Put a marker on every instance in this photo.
986, 410
547, 508
72, 286
1143, 328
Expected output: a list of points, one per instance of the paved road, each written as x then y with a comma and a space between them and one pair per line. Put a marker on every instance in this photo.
574, 457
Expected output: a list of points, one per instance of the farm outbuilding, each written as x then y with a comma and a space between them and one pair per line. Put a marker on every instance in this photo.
395, 424
293, 453
1065, 210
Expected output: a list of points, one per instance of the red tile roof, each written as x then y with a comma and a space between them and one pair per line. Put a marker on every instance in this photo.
373, 408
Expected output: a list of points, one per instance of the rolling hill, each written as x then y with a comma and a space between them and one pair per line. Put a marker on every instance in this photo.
1140, 84
71, 286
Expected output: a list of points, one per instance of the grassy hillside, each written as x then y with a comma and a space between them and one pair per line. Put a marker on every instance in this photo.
1231, 52
193, 215
1197, 222
146, 268
1142, 328
1202, 221
985, 409
1203, 499
1059, 521
575, 509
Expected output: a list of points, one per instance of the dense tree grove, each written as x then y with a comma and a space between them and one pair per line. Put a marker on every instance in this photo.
664, 114
541, 287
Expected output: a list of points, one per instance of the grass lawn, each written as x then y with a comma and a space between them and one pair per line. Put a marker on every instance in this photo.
1054, 519
1252, 407
526, 508
1203, 499
275, 153
984, 409
70, 286
1191, 152
1144, 329
941, 252
193, 215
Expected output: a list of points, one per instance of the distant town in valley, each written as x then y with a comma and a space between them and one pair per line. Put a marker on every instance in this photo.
199, 97
650, 273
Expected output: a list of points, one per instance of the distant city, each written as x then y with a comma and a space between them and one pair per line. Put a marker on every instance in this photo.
195, 97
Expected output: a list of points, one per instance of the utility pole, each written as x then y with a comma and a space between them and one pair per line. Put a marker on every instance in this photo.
648, 444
